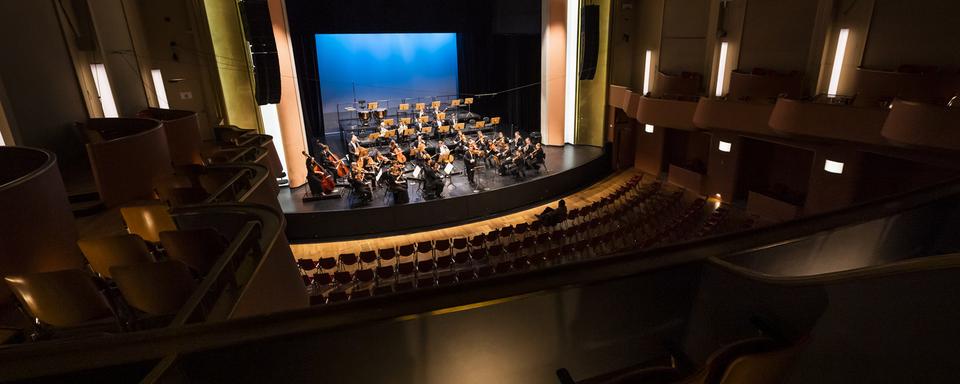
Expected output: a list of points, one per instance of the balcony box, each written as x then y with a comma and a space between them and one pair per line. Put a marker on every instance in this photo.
729, 115
831, 121
771, 208
922, 124
668, 113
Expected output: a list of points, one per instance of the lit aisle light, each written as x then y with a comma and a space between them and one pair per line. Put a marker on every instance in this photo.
838, 62
721, 68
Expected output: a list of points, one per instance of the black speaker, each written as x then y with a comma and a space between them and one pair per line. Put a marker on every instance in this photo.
589, 40
257, 27
266, 75
258, 30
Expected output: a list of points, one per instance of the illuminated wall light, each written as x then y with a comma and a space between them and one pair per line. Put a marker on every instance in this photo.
721, 68
833, 166
104, 92
570, 91
159, 88
271, 126
648, 128
646, 72
838, 62
724, 146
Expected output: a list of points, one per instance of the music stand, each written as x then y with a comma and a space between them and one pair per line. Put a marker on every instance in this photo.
478, 177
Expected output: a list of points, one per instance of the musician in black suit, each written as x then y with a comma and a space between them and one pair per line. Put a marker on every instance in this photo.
536, 157
519, 163
470, 157
432, 180
354, 147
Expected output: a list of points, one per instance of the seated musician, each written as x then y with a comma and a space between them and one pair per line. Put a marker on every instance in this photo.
329, 166
444, 153
499, 139
359, 184
536, 157
432, 180
519, 163
397, 185
313, 178
517, 140
527, 147
459, 145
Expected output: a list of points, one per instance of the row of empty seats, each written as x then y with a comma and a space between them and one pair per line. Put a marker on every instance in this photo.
634, 215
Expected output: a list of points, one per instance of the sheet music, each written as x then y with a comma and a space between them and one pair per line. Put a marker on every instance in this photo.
416, 172
448, 168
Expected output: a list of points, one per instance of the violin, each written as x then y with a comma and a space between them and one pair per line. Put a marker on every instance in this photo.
398, 153
327, 184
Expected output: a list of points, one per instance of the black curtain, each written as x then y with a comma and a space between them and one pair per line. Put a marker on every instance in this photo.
492, 56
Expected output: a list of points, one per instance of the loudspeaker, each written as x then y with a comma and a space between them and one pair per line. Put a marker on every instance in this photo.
589, 40
258, 30
266, 75
257, 26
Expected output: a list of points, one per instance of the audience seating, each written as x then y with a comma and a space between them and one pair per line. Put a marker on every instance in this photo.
148, 221
632, 215
157, 289
63, 299
200, 249
104, 253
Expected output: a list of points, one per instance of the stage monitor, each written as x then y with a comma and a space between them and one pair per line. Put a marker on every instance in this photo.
383, 66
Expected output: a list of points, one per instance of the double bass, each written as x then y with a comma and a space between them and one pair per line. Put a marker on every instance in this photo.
327, 184
342, 169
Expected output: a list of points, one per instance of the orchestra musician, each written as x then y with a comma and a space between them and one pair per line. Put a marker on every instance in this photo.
519, 163
536, 157
332, 163
470, 157
432, 180
354, 147
396, 183
517, 139
398, 156
445, 156
358, 182
320, 182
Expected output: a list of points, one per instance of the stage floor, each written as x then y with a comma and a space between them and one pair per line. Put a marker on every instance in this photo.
568, 168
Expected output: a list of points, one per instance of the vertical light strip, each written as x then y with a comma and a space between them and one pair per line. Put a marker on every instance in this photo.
570, 86
646, 72
838, 62
104, 92
545, 38
271, 126
160, 89
721, 69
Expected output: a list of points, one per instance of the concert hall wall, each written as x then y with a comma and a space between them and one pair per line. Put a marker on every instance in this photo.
498, 48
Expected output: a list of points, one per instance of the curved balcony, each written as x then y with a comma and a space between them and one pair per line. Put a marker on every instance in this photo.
126, 156
183, 133
739, 116
619, 97
768, 86
668, 113
795, 117
37, 233
923, 125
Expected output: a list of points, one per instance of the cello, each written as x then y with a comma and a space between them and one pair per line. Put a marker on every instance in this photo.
327, 184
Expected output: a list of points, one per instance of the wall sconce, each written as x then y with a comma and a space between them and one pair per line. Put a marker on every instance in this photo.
721, 68
646, 72
724, 146
838, 62
833, 166
648, 128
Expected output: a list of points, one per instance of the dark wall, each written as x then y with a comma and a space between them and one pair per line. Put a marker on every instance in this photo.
776, 170
499, 47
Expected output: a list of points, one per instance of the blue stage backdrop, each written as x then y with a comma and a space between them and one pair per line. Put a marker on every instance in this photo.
384, 66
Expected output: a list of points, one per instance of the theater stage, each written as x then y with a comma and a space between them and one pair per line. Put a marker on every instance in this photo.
568, 169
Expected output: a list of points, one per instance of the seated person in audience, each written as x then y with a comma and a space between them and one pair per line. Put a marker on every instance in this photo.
550, 217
